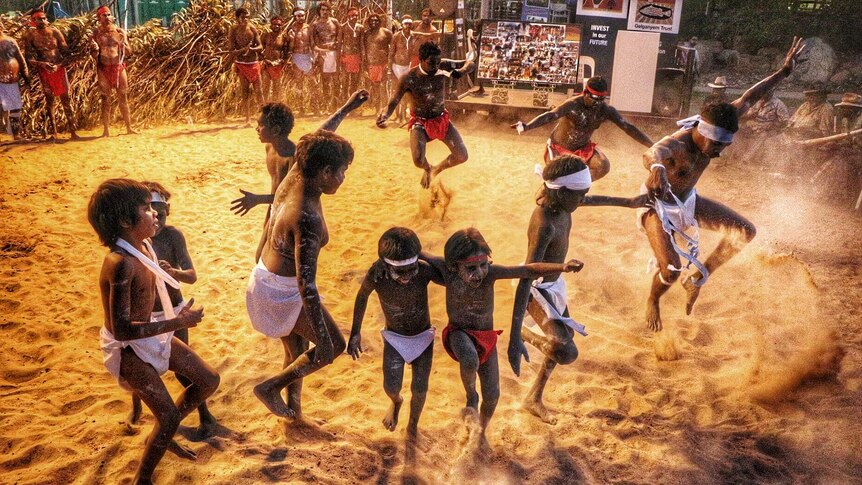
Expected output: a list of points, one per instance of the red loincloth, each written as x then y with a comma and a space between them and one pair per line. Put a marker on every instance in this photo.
54, 82
376, 72
274, 72
112, 73
586, 152
251, 71
352, 63
484, 340
435, 128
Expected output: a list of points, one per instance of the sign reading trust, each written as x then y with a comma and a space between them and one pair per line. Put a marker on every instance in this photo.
660, 16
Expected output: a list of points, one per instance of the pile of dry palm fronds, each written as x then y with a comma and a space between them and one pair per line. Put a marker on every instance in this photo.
174, 73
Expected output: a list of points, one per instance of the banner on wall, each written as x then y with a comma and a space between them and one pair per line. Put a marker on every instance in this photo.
617, 9
660, 16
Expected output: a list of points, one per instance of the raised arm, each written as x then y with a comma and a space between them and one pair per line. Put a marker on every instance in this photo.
356, 100
354, 343
630, 129
545, 118
307, 248
535, 252
120, 272
754, 93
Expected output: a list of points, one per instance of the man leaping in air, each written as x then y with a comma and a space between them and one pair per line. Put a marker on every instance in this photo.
429, 118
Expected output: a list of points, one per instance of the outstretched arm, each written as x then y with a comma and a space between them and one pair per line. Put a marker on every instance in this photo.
754, 93
544, 118
355, 101
354, 343
607, 200
532, 271
630, 129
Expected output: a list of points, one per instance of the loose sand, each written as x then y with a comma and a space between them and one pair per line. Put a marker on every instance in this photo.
765, 386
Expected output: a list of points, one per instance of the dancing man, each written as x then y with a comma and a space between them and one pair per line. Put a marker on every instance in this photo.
580, 116
429, 119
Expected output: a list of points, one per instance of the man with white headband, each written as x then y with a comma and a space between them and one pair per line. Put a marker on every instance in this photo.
676, 164
408, 337
579, 117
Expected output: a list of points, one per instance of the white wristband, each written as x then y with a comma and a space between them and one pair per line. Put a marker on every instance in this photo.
656, 165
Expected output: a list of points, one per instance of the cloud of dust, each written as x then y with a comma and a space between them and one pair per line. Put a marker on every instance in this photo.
819, 360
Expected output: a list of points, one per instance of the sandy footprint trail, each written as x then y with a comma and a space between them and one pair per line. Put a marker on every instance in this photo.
755, 393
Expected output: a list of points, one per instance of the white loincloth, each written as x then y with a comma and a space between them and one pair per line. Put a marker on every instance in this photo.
160, 316
155, 350
555, 308
677, 219
409, 346
400, 71
330, 62
273, 302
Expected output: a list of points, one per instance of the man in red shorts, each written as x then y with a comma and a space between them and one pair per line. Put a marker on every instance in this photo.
47, 52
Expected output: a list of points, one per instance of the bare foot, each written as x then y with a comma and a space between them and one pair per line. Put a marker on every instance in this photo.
273, 401
693, 292
653, 316
135, 414
537, 408
391, 419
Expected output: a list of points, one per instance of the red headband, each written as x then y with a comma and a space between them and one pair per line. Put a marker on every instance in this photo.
103, 10
596, 93
476, 258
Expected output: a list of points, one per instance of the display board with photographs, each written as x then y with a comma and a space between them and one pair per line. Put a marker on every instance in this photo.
529, 52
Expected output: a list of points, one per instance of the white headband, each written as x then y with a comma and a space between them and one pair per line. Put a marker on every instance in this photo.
708, 130
157, 197
403, 262
574, 181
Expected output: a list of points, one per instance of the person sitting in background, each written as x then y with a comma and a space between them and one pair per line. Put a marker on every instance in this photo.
814, 118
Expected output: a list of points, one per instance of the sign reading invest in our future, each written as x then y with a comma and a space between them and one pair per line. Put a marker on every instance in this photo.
660, 16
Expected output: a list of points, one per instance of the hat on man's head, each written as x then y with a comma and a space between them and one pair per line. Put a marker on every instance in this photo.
720, 83
851, 99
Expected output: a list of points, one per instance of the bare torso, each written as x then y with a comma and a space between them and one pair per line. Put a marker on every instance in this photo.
324, 33
142, 287
428, 91
300, 42
377, 46
682, 159
241, 38
45, 45
469, 308
10, 67
291, 211
111, 42
405, 306
351, 38
576, 127
402, 45
273, 47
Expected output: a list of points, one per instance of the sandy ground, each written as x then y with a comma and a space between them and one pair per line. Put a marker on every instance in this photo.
765, 387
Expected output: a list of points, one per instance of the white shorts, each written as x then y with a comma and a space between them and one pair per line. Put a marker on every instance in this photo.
10, 97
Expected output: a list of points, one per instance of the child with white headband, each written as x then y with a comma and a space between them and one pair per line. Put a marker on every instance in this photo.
401, 282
